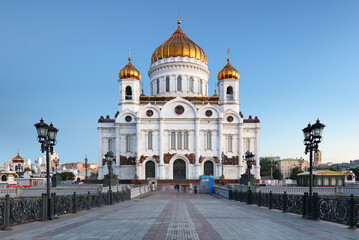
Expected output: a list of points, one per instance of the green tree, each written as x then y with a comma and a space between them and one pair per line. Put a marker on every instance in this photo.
356, 172
265, 168
67, 176
295, 171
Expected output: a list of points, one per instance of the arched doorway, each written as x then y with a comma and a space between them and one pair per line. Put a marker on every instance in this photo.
208, 168
150, 170
179, 169
3, 178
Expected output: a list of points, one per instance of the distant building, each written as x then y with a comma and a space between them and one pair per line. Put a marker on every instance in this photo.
276, 158
317, 159
79, 167
324, 178
354, 164
286, 165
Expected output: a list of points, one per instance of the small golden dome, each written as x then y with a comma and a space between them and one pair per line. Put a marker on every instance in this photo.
228, 72
179, 45
129, 71
18, 158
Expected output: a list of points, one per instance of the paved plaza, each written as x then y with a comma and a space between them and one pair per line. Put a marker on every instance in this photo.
170, 215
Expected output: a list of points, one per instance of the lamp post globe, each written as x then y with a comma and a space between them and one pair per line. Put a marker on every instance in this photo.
41, 129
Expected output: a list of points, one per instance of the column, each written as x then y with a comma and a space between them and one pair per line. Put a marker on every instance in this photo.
197, 146
220, 144
138, 147
100, 168
160, 150
257, 168
240, 150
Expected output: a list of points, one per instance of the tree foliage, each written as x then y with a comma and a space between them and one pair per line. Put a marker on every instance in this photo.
67, 176
295, 171
265, 168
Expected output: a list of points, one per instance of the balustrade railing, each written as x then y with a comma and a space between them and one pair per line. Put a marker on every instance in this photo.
339, 209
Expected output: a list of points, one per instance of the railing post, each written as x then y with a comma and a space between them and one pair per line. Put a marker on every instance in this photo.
305, 196
43, 207
259, 199
284, 205
240, 196
52, 206
118, 196
7, 212
74, 210
270, 200
230, 194
249, 196
352, 212
88, 200
315, 207
99, 198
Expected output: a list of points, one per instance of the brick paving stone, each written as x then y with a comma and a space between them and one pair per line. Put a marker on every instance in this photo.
170, 215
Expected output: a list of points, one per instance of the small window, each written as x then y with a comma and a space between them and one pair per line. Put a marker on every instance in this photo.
185, 140
173, 140
167, 84
128, 95
128, 143
191, 84
209, 140
200, 87
229, 143
150, 145
229, 93
158, 86
179, 140
179, 83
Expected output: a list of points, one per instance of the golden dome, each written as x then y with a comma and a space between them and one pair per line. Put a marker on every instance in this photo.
228, 72
18, 158
179, 45
129, 71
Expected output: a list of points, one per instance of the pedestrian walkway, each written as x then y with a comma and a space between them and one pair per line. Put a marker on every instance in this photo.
170, 215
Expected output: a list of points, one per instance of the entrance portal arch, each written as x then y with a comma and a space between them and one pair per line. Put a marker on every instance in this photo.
179, 169
208, 168
150, 170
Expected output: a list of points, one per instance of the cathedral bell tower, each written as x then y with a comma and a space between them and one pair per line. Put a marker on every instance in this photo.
228, 87
130, 84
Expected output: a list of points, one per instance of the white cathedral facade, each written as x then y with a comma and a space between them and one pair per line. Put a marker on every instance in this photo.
179, 132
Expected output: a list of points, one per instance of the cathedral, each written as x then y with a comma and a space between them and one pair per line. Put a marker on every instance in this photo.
179, 131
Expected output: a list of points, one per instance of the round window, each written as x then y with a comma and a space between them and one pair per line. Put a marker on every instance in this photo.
149, 113
230, 119
179, 109
208, 113
128, 118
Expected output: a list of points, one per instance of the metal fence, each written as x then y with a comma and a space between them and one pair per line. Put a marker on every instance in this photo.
339, 209
14, 211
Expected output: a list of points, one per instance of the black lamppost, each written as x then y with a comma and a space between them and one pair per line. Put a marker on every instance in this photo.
222, 156
312, 137
47, 137
109, 157
86, 167
249, 158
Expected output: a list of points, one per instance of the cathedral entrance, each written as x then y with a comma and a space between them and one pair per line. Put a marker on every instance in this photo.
208, 168
150, 170
179, 169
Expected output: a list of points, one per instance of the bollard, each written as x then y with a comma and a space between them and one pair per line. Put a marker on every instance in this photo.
315, 207
241, 196
230, 194
43, 207
284, 203
88, 200
351, 212
7, 212
259, 199
304, 210
249, 196
74, 209
270, 199
52, 209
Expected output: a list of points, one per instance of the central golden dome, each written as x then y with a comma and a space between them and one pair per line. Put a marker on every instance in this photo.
179, 45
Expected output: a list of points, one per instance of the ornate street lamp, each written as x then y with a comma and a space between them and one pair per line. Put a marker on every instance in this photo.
86, 167
109, 157
47, 137
249, 158
222, 156
312, 137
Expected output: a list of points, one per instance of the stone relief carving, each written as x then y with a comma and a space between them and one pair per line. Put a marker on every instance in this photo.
127, 161
157, 158
216, 159
143, 158
191, 158
230, 161
167, 157
201, 159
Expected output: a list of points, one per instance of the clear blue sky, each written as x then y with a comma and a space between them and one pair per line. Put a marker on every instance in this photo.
298, 60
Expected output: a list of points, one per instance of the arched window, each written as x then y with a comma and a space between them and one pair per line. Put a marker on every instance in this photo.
167, 84
200, 87
158, 86
191, 84
173, 140
150, 140
3, 178
248, 145
209, 140
185, 140
110, 145
128, 143
179, 83
128, 93
229, 143
179, 140
349, 177
229, 93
